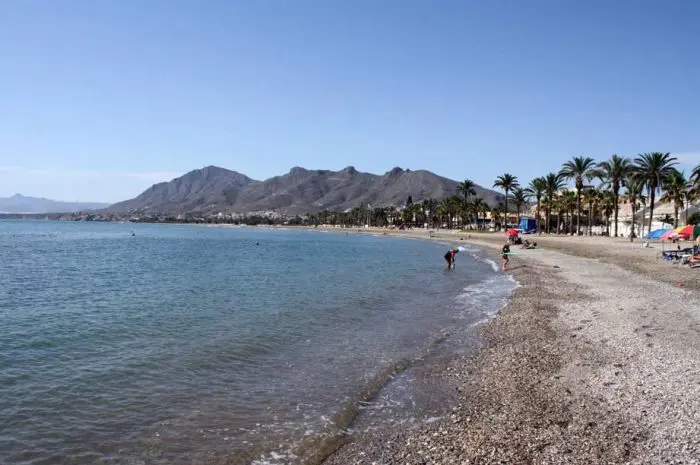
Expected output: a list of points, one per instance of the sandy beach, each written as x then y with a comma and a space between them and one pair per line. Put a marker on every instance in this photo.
595, 359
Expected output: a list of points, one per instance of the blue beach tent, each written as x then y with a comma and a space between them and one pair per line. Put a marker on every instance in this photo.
657, 233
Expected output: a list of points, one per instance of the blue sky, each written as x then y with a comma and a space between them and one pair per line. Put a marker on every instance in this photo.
100, 99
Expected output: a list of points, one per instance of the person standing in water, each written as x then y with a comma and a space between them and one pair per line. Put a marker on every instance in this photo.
505, 256
450, 258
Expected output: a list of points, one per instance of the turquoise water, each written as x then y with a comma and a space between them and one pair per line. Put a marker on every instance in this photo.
187, 344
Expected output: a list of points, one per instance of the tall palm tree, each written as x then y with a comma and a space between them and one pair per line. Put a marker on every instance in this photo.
691, 197
536, 189
519, 199
507, 182
674, 192
580, 170
634, 194
613, 173
553, 184
695, 177
653, 169
590, 197
477, 205
607, 204
466, 190
569, 204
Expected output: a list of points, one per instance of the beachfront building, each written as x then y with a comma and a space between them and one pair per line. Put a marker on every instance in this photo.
664, 216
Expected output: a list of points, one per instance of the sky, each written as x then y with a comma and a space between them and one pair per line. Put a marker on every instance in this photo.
101, 99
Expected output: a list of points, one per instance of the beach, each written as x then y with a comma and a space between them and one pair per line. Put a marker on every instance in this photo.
594, 359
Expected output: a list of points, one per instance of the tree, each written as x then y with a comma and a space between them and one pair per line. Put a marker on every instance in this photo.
466, 190
591, 197
478, 205
507, 182
580, 170
634, 193
691, 197
430, 210
519, 199
569, 205
613, 173
653, 169
674, 192
536, 189
695, 177
694, 218
553, 184
409, 200
607, 204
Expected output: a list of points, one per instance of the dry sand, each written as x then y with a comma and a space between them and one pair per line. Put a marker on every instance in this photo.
595, 359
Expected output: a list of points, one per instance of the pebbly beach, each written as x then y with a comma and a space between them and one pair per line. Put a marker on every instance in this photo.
594, 359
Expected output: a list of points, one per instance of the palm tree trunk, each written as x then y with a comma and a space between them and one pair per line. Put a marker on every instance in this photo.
675, 212
652, 193
615, 206
632, 232
506, 206
590, 219
539, 230
578, 211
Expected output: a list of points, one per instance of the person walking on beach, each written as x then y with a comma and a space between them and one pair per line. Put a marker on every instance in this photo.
450, 258
505, 256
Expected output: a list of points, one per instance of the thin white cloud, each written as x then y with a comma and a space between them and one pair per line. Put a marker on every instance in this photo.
688, 158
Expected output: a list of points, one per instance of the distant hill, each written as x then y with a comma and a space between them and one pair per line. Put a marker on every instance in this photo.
20, 204
300, 190
199, 190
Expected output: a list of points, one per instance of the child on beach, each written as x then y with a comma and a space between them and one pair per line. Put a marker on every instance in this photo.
505, 251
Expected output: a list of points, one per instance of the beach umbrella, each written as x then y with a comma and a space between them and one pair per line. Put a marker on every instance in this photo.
669, 234
690, 231
512, 233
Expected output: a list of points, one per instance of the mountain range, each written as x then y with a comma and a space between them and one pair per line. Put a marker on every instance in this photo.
18, 203
213, 189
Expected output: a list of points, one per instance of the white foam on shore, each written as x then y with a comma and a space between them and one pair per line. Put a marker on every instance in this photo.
489, 296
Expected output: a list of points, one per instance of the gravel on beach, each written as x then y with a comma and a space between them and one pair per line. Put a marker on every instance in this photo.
588, 363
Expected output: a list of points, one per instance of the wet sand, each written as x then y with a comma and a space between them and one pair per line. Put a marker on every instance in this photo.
595, 359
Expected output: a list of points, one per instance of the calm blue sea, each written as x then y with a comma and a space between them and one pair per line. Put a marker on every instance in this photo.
191, 344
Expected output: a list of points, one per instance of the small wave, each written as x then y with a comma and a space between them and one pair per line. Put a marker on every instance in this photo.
488, 296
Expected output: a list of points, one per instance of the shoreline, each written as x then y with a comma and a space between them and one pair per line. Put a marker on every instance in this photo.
594, 359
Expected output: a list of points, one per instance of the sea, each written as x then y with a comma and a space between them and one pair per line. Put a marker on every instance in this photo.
182, 344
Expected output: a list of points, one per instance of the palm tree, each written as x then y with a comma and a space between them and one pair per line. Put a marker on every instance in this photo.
466, 190
519, 199
613, 173
634, 193
496, 214
653, 169
430, 210
536, 189
569, 204
553, 183
691, 196
695, 177
591, 197
607, 203
507, 182
477, 205
674, 192
580, 169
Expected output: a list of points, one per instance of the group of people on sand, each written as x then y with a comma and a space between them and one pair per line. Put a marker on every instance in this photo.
505, 256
